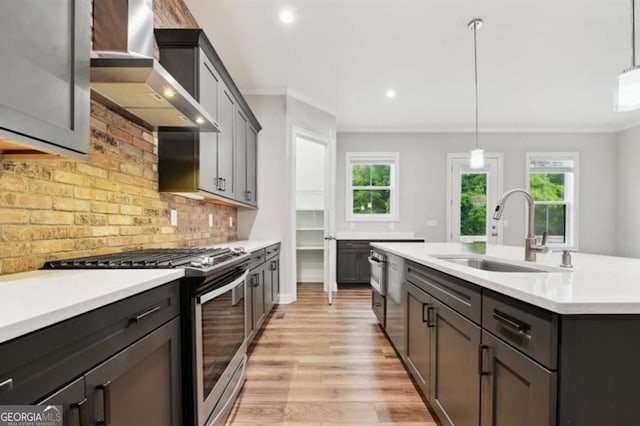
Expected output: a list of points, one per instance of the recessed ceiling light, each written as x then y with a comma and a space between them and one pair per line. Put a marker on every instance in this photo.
287, 16
391, 93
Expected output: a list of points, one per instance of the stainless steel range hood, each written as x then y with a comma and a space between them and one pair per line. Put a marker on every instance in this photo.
124, 71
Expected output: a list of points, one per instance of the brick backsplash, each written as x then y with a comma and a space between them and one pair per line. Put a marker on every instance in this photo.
53, 209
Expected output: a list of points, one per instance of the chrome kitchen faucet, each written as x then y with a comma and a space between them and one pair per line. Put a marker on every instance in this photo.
531, 247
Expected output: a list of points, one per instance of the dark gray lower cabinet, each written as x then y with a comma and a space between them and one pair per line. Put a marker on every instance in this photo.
256, 282
454, 391
268, 286
275, 278
515, 389
141, 384
75, 408
349, 266
418, 335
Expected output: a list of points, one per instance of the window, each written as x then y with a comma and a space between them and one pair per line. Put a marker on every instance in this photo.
552, 180
372, 187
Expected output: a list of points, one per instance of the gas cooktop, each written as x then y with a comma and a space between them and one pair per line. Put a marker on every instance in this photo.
190, 259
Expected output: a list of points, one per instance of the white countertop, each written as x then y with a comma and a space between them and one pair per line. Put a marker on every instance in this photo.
596, 284
33, 300
364, 235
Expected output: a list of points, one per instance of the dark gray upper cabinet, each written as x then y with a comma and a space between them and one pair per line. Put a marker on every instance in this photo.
251, 191
213, 164
44, 80
240, 156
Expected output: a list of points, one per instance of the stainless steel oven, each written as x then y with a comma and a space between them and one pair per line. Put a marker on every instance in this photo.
378, 262
220, 346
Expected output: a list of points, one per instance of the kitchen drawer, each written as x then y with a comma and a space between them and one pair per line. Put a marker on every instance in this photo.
529, 329
355, 244
39, 362
257, 258
378, 306
272, 251
460, 295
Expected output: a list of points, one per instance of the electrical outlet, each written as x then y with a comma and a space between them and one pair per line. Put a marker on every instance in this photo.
174, 217
230, 221
352, 226
431, 223
505, 223
210, 220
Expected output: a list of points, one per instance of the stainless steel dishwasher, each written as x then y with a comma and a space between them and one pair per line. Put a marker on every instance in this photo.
395, 306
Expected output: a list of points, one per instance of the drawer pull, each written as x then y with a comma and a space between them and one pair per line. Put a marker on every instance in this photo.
481, 350
83, 412
145, 314
377, 304
106, 403
6, 386
507, 320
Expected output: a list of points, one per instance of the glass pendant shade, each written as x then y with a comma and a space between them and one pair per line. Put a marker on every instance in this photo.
628, 98
476, 160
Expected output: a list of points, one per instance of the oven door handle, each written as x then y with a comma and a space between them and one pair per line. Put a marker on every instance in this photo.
375, 262
212, 295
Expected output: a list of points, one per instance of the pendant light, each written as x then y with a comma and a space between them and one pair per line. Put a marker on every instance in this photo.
628, 98
476, 159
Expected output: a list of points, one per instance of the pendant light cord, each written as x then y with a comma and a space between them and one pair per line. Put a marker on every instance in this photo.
633, 33
475, 61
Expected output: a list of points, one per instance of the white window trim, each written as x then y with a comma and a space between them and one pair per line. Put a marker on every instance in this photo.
394, 157
573, 226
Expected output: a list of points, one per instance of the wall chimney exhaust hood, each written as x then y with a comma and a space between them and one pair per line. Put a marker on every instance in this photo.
124, 70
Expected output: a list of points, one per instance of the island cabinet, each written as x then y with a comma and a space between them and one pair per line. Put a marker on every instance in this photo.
483, 358
101, 365
263, 288
222, 165
44, 80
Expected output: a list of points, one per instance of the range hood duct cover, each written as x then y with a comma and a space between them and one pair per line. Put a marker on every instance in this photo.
124, 70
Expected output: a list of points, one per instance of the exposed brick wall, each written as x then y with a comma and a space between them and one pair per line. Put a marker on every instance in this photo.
57, 209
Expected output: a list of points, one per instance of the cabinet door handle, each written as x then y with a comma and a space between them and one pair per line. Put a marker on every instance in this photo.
377, 304
6, 386
256, 282
224, 184
145, 314
481, 350
425, 319
83, 412
517, 325
273, 265
430, 312
106, 403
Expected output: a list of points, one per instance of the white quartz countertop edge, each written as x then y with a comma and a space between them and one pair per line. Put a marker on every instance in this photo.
34, 300
519, 285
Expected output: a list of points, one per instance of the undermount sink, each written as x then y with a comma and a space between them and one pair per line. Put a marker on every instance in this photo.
490, 265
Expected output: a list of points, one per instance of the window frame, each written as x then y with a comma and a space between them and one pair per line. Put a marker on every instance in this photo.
571, 191
374, 158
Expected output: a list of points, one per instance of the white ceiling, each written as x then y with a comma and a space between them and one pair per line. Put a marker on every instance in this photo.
543, 64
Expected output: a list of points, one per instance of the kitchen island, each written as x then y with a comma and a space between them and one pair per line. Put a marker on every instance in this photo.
544, 346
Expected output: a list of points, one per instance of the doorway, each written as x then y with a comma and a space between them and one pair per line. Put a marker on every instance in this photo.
472, 196
315, 248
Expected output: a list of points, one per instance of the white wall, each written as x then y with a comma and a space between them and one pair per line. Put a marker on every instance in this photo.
423, 175
278, 114
627, 212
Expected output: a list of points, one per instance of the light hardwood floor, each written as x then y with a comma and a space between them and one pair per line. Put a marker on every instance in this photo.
316, 364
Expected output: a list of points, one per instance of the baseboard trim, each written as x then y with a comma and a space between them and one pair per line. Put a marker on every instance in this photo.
286, 298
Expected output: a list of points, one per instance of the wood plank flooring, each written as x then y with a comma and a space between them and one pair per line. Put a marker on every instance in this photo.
316, 364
